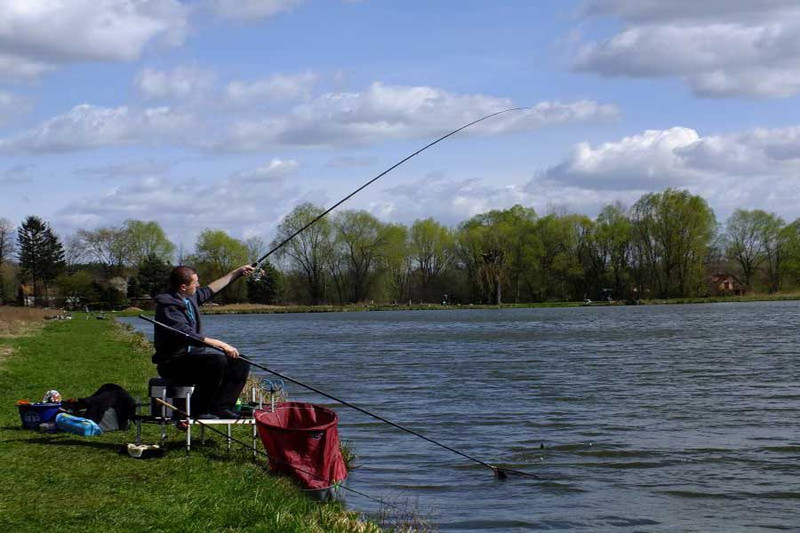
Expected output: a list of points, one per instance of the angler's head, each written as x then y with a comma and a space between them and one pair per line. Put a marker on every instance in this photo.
183, 279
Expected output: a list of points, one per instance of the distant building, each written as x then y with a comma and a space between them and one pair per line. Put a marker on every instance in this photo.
725, 285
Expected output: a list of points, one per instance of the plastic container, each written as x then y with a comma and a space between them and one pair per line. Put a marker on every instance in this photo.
77, 425
34, 414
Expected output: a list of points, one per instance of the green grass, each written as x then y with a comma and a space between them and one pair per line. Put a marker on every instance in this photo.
62, 482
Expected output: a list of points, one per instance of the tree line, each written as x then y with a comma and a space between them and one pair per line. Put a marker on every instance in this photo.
668, 244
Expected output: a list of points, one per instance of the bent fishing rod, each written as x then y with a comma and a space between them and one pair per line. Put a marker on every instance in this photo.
376, 178
499, 472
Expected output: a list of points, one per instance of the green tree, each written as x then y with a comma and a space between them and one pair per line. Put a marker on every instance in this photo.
516, 228
41, 255
483, 250
790, 239
216, 254
554, 265
151, 277
266, 288
575, 234
744, 233
775, 249
432, 253
358, 240
614, 234
77, 287
308, 253
673, 232
143, 240
396, 261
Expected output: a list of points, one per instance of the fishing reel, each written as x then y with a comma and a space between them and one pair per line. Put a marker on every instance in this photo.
257, 274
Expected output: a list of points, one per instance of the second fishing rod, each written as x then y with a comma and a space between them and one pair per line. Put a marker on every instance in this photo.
500, 472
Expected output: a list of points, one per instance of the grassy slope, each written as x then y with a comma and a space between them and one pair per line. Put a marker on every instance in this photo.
72, 483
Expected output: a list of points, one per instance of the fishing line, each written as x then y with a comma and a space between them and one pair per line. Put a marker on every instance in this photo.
499, 472
376, 178
265, 454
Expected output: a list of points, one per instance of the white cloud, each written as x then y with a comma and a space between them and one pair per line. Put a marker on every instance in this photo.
454, 200
125, 170
280, 87
12, 105
449, 201
276, 169
37, 35
182, 208
650, 160
682, 10
756, 168
720, 48
19, 68
86, 127
384, 112
184, 83
245, 10
378, 114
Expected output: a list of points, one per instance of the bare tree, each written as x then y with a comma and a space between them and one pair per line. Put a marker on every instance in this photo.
6, 250
106, 246
309, 252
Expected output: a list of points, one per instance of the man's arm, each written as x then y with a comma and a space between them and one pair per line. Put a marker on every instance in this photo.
229, 350
224, 281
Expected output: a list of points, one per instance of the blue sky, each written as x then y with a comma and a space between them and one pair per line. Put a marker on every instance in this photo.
226, 114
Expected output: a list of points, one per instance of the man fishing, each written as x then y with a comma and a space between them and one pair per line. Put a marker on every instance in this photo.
186, 358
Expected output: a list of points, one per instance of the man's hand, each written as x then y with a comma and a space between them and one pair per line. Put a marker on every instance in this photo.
245, 270
229, 350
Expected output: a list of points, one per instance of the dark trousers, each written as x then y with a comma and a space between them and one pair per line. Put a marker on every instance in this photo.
218, 379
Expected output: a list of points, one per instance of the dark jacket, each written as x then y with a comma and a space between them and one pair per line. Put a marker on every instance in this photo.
171, 310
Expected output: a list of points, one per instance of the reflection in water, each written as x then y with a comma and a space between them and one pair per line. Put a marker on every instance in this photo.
654, 418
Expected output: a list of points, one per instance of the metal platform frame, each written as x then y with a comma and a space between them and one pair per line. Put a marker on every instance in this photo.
185, 393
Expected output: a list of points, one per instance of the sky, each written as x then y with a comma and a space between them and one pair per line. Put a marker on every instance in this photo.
226, 114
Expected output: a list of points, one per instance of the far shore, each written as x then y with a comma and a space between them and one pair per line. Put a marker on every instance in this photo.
247, 309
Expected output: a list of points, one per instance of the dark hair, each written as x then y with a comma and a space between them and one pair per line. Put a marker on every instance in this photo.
180, 275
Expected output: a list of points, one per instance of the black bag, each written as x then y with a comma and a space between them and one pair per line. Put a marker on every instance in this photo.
110, 406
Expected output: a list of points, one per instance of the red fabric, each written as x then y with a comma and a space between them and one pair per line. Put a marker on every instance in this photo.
302, 441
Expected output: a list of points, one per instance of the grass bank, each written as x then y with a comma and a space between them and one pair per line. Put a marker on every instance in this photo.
62, 482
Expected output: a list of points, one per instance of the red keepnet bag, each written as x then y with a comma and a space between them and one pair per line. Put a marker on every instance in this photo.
302, 441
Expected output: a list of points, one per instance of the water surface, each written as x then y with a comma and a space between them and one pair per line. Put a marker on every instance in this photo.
652, 418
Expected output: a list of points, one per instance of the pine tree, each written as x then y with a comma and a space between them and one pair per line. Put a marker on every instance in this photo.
41, 255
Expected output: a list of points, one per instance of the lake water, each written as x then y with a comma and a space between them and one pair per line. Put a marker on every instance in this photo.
651, 418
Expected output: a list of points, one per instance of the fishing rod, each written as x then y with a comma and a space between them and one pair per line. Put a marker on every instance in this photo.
376, 178
276, 459
499, 472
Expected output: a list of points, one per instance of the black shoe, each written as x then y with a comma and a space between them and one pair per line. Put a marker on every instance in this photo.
207, 416
227, 413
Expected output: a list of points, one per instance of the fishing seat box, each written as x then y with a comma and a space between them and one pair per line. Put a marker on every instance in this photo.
177, 395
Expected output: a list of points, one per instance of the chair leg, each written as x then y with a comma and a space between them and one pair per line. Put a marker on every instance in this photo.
189, 422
